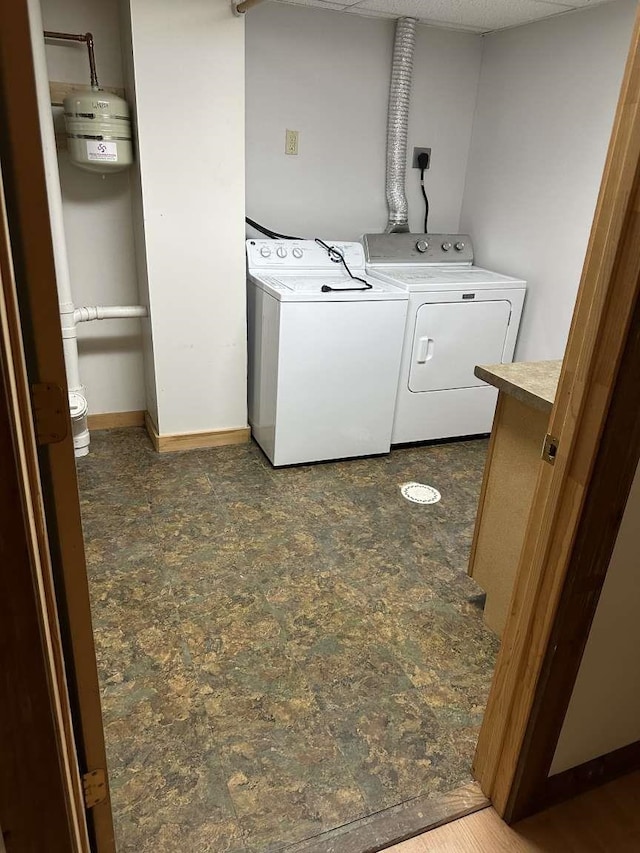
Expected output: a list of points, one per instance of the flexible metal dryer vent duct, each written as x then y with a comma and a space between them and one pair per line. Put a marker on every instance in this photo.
397, 124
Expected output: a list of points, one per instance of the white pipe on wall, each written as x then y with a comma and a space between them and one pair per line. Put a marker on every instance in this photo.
69, 316
108, 312
54, 194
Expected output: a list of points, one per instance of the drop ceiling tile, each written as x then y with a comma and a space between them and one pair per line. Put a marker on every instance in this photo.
478, 16
385, 12
481, 14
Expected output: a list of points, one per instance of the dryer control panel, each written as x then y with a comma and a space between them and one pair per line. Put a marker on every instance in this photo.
416, 249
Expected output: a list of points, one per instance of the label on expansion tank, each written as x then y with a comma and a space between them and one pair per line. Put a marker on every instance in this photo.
105, 152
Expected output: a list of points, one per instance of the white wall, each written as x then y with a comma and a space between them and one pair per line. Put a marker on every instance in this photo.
546, 103
604, 712
327, 76
150, 384
97, 216
188, 63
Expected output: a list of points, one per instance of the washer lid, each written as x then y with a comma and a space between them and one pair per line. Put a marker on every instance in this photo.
308, 288
449, 277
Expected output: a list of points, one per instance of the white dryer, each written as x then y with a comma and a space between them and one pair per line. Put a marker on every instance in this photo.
324, 351
459, 316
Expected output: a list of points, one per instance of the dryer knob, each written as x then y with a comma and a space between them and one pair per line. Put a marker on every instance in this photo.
265, 251
459, 247
281, 252
422, 246
297, 253
446, 247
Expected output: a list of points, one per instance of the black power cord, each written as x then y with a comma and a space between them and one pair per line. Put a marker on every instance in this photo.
338, 258
335, 255
423, 163
273, 235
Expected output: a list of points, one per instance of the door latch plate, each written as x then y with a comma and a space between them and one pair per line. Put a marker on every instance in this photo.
550, 449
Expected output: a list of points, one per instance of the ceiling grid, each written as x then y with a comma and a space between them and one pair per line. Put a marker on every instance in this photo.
477, 16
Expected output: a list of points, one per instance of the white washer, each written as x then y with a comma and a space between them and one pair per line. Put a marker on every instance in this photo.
459, 316
323, 365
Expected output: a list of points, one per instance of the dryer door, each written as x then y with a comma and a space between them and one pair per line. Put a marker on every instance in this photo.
451, 338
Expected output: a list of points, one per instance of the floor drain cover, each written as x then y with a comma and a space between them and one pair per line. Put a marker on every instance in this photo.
418, 493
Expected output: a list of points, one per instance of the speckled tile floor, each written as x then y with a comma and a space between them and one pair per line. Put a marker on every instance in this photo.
280, 651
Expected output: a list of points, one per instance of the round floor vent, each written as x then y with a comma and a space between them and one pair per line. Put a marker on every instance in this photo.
419, 493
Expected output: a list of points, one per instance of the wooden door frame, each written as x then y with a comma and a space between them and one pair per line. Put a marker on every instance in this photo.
579, 502
40, 797
29, 245
41, 801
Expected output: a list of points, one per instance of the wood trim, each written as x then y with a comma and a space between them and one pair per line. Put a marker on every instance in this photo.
116, 420
599, 771
194, 440
32, 252
596, 347
398, 823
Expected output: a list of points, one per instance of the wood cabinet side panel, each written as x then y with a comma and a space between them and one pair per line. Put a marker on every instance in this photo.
510, 482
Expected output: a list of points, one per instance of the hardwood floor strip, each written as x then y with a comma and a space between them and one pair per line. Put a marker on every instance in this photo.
591, 774
378, 831
606, 820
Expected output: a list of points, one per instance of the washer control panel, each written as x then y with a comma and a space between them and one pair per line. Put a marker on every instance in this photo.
417, 249
303, 255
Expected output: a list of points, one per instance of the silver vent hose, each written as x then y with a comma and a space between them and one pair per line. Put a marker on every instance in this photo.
397, 124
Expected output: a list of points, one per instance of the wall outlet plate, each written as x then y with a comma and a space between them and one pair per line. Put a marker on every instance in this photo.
417, 152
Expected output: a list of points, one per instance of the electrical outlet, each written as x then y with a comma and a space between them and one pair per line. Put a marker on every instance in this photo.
291, 142
417, 152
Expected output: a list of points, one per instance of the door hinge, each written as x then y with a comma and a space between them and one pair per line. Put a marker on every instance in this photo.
50, 412
94, 785
550, 449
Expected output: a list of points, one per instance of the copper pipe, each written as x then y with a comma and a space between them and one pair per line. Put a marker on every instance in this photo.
241, 8
87, 38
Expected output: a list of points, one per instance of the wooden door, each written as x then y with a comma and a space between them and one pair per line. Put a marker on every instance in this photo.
579, 501
30, 309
